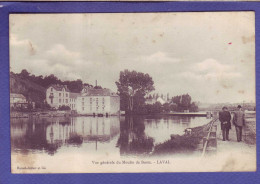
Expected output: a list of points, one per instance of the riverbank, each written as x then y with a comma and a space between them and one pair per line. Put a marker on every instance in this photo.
48, 113
17, 114
188, 142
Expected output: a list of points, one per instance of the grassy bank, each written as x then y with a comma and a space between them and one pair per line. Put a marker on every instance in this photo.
182, 143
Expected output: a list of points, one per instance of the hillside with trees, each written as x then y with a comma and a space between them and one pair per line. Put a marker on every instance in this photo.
34, 87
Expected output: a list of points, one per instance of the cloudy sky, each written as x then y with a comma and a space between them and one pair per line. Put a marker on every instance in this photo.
211, 56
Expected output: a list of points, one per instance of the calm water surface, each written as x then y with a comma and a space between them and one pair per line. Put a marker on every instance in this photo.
96, 135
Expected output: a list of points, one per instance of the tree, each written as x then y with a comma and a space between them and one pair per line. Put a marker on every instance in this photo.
185, 101
166, 107
193, 107
24, 73
176, 100
64, 108
132, 87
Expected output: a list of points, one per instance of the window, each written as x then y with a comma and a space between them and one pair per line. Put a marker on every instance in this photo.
63, 100
59, 100
103, 101
66, 94
51, 89
60, 94
51, 94
82, 99
66, 100
82, 103
51, 100
83, 108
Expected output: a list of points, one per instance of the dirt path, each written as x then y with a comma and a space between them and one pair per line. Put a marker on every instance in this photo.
232, 155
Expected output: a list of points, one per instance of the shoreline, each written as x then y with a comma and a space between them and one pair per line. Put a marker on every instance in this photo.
19, 114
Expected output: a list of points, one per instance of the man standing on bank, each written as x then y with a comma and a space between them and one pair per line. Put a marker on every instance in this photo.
239, 122
224, 118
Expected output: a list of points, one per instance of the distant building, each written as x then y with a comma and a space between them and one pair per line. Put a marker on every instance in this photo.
154, 100
90, 101
161, 100
17, 100
150, 101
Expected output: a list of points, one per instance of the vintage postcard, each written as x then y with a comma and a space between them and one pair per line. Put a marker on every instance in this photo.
132, 92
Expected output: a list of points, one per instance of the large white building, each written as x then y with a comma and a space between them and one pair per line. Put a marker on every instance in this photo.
98, 101
90, 101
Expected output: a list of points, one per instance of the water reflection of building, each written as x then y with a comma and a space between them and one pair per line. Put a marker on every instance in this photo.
50, 134
81, 129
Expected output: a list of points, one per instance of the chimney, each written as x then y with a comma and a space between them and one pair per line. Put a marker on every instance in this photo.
96, 83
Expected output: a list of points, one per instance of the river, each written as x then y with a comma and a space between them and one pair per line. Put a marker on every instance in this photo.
122, 136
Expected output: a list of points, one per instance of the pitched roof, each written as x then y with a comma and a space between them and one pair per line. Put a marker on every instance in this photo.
58, 87
99, 92
16, 95
74, 95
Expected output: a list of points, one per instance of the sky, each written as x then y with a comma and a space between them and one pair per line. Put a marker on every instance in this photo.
209, 55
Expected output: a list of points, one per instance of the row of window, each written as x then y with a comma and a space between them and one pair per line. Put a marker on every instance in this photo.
91, 103
63, 95
73, 100
63, 101
103, 99
72, 105
60, 94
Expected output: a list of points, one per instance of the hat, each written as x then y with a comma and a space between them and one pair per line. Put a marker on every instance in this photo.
224, 108
239, 106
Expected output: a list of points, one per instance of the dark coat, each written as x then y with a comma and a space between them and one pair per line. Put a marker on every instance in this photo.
225, 116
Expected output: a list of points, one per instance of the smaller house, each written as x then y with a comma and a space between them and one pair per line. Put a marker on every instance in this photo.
18, 100
161, 100
58, 95
151, 101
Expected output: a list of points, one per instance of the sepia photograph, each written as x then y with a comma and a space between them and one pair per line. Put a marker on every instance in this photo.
132, 92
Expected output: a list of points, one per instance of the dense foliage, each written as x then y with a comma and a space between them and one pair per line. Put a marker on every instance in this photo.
132, 88
73, 85
34, 87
